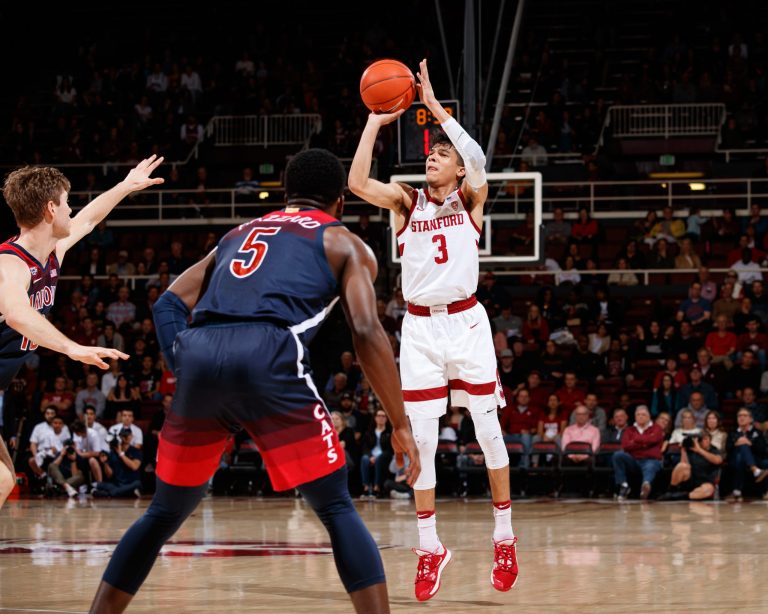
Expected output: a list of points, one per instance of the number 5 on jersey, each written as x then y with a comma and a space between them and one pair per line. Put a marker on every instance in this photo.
254, 250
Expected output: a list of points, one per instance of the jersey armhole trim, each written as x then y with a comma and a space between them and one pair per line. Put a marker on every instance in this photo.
414, 200
463, 200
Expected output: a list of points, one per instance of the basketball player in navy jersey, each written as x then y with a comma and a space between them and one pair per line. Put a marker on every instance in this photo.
447, 347
256, 301
30, 265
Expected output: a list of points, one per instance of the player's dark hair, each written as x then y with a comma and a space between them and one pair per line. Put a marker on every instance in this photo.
315, 174
440, 139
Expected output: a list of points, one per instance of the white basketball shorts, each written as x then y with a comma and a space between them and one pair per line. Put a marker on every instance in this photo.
446, 352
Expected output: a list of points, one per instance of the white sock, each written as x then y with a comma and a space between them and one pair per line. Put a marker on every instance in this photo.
502, 514
428, 539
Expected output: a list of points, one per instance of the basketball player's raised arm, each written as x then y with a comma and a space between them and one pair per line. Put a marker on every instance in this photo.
475, 184
373, 348
94, 212
24, 319
171, 310
386, 195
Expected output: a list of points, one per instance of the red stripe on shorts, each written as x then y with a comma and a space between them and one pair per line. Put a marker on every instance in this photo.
426, 394
186, 465
476, 389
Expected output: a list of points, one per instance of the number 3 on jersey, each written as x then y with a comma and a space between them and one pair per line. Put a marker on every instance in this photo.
442, 249
255, 251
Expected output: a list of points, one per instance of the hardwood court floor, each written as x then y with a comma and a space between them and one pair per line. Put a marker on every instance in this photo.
272, 555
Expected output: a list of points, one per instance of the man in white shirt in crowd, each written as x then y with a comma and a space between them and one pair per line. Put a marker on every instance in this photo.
125, 420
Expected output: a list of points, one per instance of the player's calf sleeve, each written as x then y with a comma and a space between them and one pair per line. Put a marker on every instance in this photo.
490, 438
135, 555
170, 314
357, 558
425, 434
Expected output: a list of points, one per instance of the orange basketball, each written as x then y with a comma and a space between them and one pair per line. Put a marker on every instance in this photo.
387, 86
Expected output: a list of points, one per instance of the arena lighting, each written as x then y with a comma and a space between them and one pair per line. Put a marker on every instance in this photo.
677, 175
697, 187
263, 195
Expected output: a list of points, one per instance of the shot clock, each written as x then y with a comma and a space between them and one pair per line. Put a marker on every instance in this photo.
416, 127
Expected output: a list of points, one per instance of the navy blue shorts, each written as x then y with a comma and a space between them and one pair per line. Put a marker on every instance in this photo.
253, 375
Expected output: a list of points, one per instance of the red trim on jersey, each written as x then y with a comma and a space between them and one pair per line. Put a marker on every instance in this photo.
20, 253
463, 305
426, 394
464, 203
476, 389
414, 199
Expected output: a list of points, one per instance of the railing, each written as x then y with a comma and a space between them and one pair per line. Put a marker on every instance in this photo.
642, 274
603, 199
263, 130
665, 120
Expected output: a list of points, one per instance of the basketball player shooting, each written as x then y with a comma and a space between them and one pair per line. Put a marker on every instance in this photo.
446, 338
257, 299
30, 264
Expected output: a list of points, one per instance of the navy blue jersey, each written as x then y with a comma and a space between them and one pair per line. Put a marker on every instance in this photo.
42, 289
271, 269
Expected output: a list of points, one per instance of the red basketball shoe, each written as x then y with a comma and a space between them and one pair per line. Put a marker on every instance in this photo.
504, 573
429, 572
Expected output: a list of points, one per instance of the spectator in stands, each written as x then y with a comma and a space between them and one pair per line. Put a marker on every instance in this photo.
711, 373
614, 431
586, 364
756, 220
121, 468
569, 394
575, 309
59, 398
333, 397
686, 428
759, 410
747, 268
651, 341
623, 277
376, 455
697, 384
126, 421
581, 430
191, 83
714, 428
722, 343
746, 453
122, 311
552, 362
507, 323
600, 340
683, 343
551, 423
753, 340
535, 328
558, 231
668, 228
634, 257
177, 262
122, 396
660, 257
744, 375
568, 274
88, 445
698, 407
726, 305
109, 379
89, 417
396, 307
698, 471
694, 223
585, 230
489, 294
671, 368
38, 441
646, 225
641, 453
157, 80
346, 438
191, 132
687, 258
122, 267
519, 423
743, 315
534, 154
727, 226
745, 242
695, 309
90, 395
388, 323
247, 186
665, 396
708, 287
597, 415
757, 294
148, 380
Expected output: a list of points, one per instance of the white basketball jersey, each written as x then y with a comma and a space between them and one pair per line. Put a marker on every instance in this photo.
439, 250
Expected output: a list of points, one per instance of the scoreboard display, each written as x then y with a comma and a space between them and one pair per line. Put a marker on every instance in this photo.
416, 127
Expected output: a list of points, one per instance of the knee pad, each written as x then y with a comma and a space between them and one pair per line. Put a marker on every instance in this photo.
425, 434
490, 438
